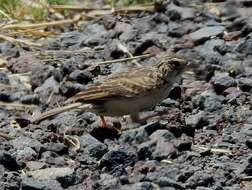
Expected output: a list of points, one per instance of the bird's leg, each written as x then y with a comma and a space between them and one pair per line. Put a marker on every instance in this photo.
5, 136
104, 124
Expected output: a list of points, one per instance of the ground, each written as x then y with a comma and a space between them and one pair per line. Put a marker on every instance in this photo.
200, 137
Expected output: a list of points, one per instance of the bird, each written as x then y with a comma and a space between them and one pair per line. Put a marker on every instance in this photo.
127, 92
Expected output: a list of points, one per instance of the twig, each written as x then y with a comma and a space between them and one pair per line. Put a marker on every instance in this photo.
82, 50
124, 59
74, 8
32, 31
38, 25
246, 178
20, 74
93, 12
138, 8
166, 161
96, 13
214, 150
5, 86
19, 41
50, 97
17, 106
125, 50
146, 7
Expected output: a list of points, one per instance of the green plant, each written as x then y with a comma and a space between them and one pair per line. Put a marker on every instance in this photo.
135, 2
60, 2
9, 6
37, 13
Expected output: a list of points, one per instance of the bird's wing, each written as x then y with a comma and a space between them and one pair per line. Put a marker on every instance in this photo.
124, 84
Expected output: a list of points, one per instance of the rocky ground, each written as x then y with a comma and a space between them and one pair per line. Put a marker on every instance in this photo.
200, 139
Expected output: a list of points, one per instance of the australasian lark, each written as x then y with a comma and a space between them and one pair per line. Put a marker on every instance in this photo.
128, 92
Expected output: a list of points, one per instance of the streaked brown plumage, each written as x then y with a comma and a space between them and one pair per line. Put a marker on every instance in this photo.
132, 91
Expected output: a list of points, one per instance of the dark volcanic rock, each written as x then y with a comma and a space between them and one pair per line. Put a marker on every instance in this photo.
249, 143
137, 135
222, 82
173, 14
186, 139
247, 129
49, 85
29, 183
30, 99
206, 33
4, 78
164, 150
168, 182
223, 48
140, 134
164, 177
249, 120
65, 176
208, 101
35, 165
68, 88
176, 30
30, 63
65, 40
92, 146
9, 50
94, 34
169, 103
248, 167
237, 24
27, 154
139, 186
196, 120
183, 143
199, 179
159, 146
59, 148
185, 13
5, 96
21, 143
162, 134
203, 188
245, 84
114, 158
175, 92
82, 77
245, 47
10, 181
8, 161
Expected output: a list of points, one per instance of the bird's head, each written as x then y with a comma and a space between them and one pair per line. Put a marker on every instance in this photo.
171, 64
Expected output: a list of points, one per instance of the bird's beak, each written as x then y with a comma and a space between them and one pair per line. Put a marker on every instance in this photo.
192, 64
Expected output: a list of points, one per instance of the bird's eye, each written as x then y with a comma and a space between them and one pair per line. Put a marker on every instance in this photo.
177, 62
174, 63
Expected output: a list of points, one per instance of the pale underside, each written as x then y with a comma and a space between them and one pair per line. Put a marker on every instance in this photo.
126, 92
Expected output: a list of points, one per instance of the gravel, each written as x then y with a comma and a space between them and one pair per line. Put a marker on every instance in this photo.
199, 137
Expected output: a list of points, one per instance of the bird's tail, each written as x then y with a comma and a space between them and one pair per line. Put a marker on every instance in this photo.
59, 110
